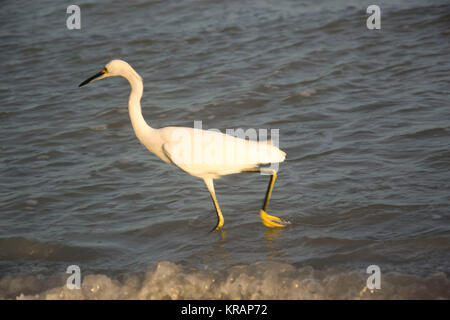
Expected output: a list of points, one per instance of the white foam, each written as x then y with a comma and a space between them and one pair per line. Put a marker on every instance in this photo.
262, 280
307, 93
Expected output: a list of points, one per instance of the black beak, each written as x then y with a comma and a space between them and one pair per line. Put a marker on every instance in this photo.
91, 78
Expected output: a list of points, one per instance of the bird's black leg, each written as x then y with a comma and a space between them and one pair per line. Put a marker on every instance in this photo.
267, 219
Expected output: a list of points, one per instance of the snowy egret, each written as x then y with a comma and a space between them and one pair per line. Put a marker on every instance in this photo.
202, 153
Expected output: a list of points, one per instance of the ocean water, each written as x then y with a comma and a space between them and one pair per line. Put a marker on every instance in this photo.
363, 115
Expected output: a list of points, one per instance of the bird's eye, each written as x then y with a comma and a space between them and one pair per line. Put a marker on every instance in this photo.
105, 70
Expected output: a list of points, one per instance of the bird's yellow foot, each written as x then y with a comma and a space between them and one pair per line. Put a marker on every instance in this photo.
218, 227
220, 222
272, 221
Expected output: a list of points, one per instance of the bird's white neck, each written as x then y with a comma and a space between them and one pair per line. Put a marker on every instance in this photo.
140, 126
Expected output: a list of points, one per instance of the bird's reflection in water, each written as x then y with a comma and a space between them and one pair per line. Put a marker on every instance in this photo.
218, 251
273, 244
222, 235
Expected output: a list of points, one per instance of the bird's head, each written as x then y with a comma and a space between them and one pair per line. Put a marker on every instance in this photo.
113, 69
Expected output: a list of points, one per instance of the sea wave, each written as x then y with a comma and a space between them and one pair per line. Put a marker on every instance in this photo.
259, 280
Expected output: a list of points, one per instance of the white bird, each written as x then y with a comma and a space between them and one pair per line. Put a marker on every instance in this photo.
202, 153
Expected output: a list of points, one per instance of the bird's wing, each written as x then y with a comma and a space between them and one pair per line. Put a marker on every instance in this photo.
210, 153
166, 153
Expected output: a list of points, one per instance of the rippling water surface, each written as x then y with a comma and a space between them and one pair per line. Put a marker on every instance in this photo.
363, 117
